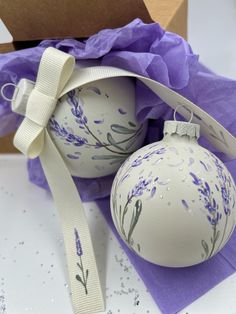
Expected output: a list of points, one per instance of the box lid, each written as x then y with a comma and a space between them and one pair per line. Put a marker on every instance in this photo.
35, 20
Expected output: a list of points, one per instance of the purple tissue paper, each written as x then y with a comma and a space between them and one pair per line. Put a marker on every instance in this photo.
142, 48
166, 57
175, 288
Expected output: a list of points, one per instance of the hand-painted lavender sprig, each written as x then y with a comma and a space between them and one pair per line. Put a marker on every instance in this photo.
213, 214
62, 132
140, 159
81, 119
85, 273
136, 192
225, 184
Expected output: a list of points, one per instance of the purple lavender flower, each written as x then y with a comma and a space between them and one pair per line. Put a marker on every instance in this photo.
98, 145
54, 126
226, 199
211, 206
185, 204
227, 210
155, 152
79, 250
214, 220
69, 137
153, 191
225, 194
205, 189
84, 273
125, 177
122, 111
209, 202
99, 121
72, 100
136, 162
159, 151
219, 168
71, 156
76, 109
196, 180
140, 187
80, 141
214, 216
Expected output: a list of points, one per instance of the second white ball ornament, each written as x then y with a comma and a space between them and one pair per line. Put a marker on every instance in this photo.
173, 202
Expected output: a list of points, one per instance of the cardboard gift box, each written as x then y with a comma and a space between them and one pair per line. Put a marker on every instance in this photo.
31, 21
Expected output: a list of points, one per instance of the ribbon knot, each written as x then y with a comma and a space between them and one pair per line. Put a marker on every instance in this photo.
40, 107
30, 136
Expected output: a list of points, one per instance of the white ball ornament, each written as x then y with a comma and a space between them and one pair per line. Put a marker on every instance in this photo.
173, 202
95, 128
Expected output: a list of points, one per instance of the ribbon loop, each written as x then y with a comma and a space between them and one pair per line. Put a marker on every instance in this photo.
29, 138
56, 67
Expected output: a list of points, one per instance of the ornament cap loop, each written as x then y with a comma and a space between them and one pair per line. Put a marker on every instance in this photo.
182, 128
186, 108
21, 96
2, 91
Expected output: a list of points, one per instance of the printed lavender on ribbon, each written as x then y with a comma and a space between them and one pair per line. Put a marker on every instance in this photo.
83, 277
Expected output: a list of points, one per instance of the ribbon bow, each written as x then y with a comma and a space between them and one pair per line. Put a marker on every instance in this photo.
54, 72
33, 139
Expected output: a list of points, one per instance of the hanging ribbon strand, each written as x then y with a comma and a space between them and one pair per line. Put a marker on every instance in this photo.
33, 139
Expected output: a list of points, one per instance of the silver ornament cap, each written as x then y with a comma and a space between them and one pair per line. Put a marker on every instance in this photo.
21, 96
182, 128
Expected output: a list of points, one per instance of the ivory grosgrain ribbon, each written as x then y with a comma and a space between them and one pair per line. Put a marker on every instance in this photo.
217, 135
33, 139
55, 78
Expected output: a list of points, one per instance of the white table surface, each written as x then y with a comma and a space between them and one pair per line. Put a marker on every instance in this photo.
32, 258
32, 262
